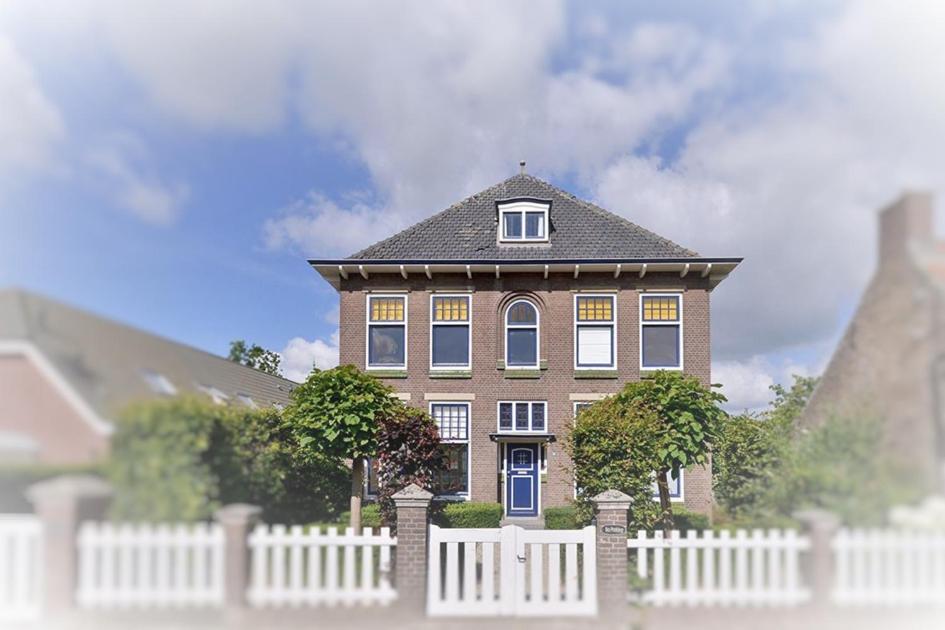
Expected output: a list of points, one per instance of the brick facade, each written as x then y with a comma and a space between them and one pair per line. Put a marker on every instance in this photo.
558, 382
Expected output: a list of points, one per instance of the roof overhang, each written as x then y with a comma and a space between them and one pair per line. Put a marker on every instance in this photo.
715, 269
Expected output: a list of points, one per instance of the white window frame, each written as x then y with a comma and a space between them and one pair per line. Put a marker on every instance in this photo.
681, 497
463, 496
536, 326
467, 323
530, 430
367, 330
520, 208
611, 324
678, 323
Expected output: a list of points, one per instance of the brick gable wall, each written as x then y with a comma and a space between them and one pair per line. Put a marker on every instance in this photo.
557, 381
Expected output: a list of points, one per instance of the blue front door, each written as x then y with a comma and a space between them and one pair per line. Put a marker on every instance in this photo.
521, 480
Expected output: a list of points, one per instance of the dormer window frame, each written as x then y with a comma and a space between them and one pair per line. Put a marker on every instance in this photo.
523, 208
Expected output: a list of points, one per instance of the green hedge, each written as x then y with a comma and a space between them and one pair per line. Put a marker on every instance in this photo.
468, 514
370, 516
562, 518
684, 519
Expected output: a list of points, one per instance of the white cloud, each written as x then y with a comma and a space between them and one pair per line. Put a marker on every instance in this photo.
30, 124
747, 384
300, 355
124, 167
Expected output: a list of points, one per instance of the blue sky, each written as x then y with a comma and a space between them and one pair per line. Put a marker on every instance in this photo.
173, 164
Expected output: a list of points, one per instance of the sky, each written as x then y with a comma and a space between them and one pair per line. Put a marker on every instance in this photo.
173, 164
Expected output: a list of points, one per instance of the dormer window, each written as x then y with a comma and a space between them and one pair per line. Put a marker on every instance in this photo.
523, 221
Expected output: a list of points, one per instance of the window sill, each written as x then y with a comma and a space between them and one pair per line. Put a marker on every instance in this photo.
450, 374
542, 365
611, 374
522, 374
650, 370
388, 373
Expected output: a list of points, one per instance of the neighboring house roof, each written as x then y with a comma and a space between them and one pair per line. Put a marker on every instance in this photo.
109, 364
579, 230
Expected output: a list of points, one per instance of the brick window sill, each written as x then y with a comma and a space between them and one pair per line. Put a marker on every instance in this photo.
388, 373
451, 374
591, 374
522, 374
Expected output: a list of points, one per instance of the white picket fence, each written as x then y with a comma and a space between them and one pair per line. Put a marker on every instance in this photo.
889, 567
150, 566
709, 569
512, 572
294, 567
20, 567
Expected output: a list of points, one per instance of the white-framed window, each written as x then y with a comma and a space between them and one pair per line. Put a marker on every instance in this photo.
214, 393
247, 400
522, 416
450, 331
661, 331
158, 383
522, 334
386, 337
675, 486
581, 405
452, 419
523, 221
595, 331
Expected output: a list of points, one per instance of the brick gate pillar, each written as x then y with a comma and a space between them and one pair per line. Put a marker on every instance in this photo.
610, 509
237, 520
410, 568
62, 504
818, 565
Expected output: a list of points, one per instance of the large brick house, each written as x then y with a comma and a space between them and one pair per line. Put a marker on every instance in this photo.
505, 313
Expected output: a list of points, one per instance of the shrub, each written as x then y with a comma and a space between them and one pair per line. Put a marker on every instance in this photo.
408, 451
565, 517
468, 514
684, 519
370, 517
614, 444
181, 459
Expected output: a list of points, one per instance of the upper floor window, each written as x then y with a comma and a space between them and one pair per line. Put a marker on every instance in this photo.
523, 221
521, 335
158, 383
594, 334
661, 331
450, 331
387, 331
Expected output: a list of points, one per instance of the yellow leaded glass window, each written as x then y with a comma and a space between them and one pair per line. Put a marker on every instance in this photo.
660, 309
595, 309
387, 309
450, 309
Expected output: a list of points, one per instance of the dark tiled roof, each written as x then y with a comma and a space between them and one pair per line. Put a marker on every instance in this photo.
104, 361
579, 230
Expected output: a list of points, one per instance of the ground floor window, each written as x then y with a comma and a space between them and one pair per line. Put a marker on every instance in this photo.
453, 422
675, 486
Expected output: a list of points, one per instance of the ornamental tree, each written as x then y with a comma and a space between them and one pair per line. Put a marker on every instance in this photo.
408, 451
338, 413
690, 421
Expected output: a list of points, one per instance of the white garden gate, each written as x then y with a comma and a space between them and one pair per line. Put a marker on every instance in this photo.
512, 572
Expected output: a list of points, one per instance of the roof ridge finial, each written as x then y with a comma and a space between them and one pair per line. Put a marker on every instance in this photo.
521, 165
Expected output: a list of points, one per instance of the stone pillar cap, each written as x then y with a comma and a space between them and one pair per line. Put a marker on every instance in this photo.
412, 495
611, 499
68, 487
237, 513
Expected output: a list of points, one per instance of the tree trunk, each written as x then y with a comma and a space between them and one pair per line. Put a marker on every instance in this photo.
357, 487
666, 506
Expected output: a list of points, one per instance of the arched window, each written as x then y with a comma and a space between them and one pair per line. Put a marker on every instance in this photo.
521, 335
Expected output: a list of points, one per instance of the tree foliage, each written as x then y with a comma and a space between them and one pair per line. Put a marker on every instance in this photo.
614, 444
256, 357
181, 459
338, 413
690, 420
408, 452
